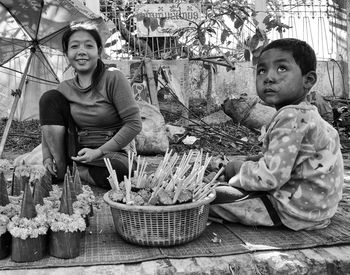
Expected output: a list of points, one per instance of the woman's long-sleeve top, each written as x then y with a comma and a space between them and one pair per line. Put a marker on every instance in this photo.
110, 106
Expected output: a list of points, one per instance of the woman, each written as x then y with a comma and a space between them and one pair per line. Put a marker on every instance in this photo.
91, 116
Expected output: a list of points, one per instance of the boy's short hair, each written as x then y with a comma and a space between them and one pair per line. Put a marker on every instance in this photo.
302, 52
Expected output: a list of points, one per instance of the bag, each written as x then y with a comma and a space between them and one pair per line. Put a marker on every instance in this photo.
93, 138
152, 139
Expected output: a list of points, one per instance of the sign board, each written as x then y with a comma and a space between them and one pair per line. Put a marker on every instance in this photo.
161, 20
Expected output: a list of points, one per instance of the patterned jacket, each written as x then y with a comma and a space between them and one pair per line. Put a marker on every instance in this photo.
301, 168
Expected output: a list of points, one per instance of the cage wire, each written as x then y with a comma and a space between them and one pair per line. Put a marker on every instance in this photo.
321, 23
313, 21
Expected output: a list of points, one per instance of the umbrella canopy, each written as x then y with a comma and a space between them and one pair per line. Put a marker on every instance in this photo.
33, 24
31, 32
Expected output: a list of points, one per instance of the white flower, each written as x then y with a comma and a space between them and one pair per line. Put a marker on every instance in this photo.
81, 207
4, 220
5, 165
67, 223
24, 227
10, 210
55, 193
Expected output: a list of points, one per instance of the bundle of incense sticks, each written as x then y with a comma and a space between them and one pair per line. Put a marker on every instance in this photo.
113, 179
183, 178
187, 175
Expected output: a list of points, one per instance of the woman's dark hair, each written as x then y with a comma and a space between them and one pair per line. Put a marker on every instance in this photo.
302, 52
92, 29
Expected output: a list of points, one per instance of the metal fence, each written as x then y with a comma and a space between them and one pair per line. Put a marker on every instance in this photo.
318, 22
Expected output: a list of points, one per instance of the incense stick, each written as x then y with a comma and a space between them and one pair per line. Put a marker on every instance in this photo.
113, 174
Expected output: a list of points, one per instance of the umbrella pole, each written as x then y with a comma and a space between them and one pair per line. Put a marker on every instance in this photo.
15, 103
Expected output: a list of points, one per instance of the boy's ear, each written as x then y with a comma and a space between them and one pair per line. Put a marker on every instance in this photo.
310, 79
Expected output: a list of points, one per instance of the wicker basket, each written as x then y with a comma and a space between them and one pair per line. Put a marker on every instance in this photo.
160, 225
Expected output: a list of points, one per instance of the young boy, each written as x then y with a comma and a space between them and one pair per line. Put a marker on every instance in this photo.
300, 172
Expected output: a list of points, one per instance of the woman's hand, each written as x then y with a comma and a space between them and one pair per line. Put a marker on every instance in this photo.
87, 155
50, 166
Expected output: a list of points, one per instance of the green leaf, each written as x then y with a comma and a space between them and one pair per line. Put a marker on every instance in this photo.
267, 19
254, 42
225, 33
201, 37
211, 30
256, 54
238, 23
232, 16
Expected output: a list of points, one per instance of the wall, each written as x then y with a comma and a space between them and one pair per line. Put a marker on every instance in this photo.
225, 84
242, 80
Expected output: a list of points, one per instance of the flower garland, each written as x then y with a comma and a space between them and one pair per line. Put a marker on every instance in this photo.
5, 165
55, 193
10, 210
4, 220
53, 201
50, 203
87, 195
64, 222
16, 199
22, 171
28, 228
82, 208
46, 207
84, 202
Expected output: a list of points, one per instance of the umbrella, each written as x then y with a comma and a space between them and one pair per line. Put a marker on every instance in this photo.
31, 30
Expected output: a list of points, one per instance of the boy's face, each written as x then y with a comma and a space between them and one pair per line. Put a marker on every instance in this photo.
279, 81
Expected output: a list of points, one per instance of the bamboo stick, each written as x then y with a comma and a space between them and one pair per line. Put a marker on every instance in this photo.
127, 184
113, 181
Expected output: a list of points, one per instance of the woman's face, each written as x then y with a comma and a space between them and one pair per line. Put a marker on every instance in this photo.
82, 52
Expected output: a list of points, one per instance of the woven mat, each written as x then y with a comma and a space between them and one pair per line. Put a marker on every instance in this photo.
102, 245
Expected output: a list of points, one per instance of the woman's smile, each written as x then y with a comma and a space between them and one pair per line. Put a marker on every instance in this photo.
83, 52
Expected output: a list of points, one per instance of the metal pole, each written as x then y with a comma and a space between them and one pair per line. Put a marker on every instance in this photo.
15, 102
260, 8
347, 48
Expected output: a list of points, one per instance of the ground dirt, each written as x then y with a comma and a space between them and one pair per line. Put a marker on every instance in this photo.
219, 138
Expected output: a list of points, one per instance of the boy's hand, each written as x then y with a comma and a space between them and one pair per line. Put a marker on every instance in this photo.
237, 165
216, 163
232, 168
234, 181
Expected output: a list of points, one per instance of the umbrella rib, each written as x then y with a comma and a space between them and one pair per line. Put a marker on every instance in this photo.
46, 63
13, 56
18, 21
13, 42
52, 35
32, 76
39, 19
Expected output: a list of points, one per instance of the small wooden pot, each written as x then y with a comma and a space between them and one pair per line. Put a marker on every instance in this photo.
65, 245
28, 250
5, 245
